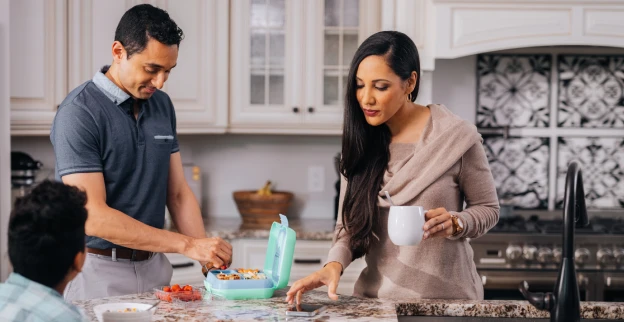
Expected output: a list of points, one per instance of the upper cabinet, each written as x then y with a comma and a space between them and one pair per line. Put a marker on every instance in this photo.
57, 45
38, 68
290, 61
469, 27
276, 66
415, 18
197, 85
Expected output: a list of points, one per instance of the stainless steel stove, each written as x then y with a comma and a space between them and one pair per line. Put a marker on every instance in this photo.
529, 248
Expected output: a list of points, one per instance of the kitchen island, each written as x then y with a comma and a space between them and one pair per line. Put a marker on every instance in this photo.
348, 308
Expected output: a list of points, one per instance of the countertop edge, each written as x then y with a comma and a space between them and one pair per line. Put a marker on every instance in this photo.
501, 309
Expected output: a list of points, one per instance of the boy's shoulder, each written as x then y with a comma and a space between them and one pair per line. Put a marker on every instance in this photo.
19, 303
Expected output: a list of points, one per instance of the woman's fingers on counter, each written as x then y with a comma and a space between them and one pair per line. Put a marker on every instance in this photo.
331, 290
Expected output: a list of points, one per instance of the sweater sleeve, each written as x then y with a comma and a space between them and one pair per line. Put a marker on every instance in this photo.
477, 185
340, 251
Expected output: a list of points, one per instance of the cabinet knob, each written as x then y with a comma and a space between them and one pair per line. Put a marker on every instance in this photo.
311, 109
295, 109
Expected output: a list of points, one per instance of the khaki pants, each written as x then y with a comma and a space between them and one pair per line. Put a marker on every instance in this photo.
102, 277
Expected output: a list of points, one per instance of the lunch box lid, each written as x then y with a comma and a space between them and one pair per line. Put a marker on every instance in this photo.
280, 252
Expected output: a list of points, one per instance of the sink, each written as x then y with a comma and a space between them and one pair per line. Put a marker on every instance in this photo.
481, 319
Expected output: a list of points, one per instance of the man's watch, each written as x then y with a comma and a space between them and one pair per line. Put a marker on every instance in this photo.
458, 226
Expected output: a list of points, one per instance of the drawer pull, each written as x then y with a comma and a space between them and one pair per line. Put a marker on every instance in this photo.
307, 261
183, 265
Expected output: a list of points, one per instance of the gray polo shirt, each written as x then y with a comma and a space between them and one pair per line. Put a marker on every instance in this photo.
95, 130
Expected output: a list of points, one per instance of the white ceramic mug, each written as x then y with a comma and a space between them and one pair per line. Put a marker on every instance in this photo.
405, 225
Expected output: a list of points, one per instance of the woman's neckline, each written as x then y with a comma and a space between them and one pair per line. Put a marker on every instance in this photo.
422, 133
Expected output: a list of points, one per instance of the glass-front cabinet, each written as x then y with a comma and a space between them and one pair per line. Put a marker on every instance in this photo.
290, 60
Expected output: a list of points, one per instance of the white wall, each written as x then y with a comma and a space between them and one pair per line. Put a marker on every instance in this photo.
5, 148
454, 84
242, 162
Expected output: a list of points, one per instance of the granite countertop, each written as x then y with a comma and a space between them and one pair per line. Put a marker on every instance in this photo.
273, 309
347, 308
503, 309
233, 228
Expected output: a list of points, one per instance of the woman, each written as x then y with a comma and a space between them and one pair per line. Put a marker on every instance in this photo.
422, 155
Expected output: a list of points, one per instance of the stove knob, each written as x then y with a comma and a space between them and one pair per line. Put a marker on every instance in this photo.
557, 255
581, 255
513, 252
618, 253
529, 252
544, 255
604, 256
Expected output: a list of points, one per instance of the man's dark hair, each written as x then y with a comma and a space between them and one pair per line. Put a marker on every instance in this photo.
46, 231
145, 21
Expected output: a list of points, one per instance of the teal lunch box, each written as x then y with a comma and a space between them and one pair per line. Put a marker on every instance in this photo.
277, 264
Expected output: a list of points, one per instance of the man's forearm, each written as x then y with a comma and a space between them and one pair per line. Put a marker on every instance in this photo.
120, 229
186, 214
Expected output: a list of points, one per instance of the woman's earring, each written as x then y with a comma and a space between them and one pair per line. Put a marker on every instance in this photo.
409, 97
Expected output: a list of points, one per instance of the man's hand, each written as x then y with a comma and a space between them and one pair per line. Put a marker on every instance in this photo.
209, 250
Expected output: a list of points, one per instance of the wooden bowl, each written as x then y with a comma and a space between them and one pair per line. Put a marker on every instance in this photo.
257, 209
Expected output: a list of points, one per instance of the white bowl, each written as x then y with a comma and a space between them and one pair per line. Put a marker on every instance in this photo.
101, 312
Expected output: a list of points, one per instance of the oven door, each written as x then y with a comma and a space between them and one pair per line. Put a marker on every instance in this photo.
613, 287
504, 284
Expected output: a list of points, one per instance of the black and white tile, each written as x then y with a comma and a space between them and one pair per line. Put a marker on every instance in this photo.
520, 170
513, 90
591, 91
602, 168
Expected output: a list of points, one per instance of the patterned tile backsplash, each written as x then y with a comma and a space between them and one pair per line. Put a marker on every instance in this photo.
591, 91
602, 164
520, 170
513, 90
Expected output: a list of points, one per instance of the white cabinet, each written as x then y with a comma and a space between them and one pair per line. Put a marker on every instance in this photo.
309, 257
38, 69
197, 85
185, 270
416, 19
471, 27
290, 60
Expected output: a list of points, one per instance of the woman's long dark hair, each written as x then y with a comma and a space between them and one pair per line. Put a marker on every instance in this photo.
365, 148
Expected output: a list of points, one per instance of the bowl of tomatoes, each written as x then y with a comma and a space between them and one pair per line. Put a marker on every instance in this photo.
181, 295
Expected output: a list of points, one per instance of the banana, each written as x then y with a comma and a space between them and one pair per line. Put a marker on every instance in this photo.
265, 190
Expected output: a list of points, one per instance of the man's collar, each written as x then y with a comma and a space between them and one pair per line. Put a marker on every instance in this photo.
110, 89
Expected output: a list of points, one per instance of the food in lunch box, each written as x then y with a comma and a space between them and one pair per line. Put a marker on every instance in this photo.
251, 274
233, 276
185, 293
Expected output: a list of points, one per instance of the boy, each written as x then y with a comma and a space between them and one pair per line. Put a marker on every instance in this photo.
47, 250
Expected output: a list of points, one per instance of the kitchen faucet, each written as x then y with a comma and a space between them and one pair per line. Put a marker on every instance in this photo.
564, 303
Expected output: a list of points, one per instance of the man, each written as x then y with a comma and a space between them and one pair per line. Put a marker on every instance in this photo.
47, 250
115, 137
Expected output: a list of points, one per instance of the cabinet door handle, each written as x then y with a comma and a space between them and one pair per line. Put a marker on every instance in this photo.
182, 265
310, 109
296, 109
307, 261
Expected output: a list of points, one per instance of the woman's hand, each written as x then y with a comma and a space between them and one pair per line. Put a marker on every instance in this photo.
328, 275
439, 223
